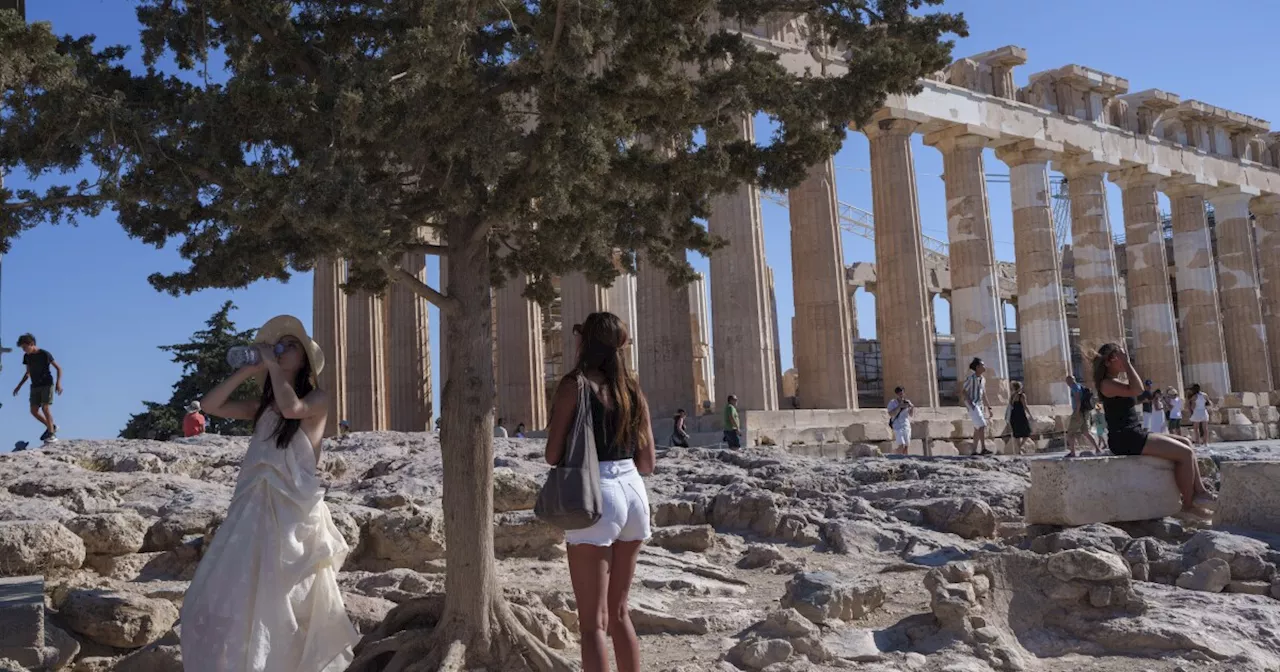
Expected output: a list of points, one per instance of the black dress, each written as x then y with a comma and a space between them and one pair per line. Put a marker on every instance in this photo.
1125, 435
1019, 423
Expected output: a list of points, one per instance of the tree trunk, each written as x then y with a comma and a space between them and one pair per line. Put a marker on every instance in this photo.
473, 627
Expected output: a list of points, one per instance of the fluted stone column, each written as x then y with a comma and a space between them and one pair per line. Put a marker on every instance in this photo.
775, 336
366, 363
823, 345
1155, 327
409, 357
1199, 318
329, 328
701, 328
521, 393
621, 301
902, 298
578, 299
976, 322
1267, 211
1042, 319
1243, 331
742, 348
1093, 246
664, 340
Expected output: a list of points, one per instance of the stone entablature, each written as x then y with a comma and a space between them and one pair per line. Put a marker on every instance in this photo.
1077, 91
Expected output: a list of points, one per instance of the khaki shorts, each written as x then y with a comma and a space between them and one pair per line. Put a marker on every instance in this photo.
1080, 423
42, 395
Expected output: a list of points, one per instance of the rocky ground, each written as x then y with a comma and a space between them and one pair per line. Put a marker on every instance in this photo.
760, 560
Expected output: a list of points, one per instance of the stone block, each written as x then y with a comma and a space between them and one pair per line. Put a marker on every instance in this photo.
962, 429
916, 447
1264, 398
868, 432
1215, 416
1100, 490
1240, 400
1237, 416
22, 619
1250, 496
933, 429
943, 449
1250, 432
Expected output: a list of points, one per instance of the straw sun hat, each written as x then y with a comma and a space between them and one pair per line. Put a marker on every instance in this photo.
287, 325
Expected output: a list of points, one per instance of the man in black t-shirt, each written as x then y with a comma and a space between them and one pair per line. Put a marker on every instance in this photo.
43, 385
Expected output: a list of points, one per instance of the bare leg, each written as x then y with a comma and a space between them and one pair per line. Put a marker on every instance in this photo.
626, 646
38, 414
980, 440
48, 417
1184, 465
589, 573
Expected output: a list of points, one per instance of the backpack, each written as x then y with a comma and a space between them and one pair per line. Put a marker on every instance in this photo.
1086, 400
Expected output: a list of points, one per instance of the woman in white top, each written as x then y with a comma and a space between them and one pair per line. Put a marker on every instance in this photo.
265, 596
1200, 404
1174, 402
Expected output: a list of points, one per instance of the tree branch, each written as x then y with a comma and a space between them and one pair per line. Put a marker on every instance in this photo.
72, 199
446, 304
427, 248
555, 36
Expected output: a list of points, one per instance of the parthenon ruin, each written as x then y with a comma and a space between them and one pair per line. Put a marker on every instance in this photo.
1205, 309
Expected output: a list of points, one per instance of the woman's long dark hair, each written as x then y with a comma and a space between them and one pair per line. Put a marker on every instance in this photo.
285, 427
1100, 364
603, 338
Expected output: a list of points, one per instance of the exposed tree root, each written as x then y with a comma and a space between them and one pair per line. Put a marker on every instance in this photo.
402, 643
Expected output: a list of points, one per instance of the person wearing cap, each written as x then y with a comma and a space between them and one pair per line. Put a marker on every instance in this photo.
193, 422
1146, 399
265, 595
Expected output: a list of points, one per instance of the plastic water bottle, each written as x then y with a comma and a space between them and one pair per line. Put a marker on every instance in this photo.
241, 356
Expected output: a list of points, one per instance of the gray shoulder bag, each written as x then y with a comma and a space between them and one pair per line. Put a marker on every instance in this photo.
570, 499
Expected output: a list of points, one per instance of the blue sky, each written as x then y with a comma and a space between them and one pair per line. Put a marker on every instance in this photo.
83, 291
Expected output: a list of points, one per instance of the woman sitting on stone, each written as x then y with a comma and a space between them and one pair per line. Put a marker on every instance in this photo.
1119, 385
602, 558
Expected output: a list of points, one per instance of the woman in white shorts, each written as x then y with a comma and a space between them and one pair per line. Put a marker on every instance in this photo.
602, 558
1200, 413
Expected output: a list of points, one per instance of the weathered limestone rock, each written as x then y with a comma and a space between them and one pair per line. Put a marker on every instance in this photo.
965, 516
403, 538
697, 538
1101, 490
760, 555
115, 533
757, 654
1250, 496
166, 658
521, 534
22, 626
38, 547
821, 596
1210, 576
122, 620
513, 491
1247, 557
365, 612
1088, 565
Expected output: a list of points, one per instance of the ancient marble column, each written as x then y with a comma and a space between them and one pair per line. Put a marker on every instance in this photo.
1199, 319
775, 336
1154, 325
1243, 331
701, 328
975, 289
366, 363
823, 342
902, 298
1042, 319
1267, 211
1093, 247
579, 298
742, 348
664, 340
329, 328
621, 301
522, 394
409, 357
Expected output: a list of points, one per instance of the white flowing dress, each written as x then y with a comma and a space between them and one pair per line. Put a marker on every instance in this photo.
265, 597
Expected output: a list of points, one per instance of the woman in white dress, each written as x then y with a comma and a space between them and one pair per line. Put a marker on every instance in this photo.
265, 597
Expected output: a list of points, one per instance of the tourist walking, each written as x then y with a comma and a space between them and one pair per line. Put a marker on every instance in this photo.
1018, 415
265, 595
1145, 399
43, 385
1174, 402
974, 392
193, 423
1080, 425
1100, 428
732, 426
679, 435
1200, 404
1118, 388
901, 410
1159, 423
602, 558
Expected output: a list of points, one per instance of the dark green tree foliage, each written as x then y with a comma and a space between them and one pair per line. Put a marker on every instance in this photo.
204, 365
506, 136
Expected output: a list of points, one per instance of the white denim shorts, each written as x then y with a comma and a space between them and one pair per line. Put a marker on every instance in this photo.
977, 417
902, 435
626, 508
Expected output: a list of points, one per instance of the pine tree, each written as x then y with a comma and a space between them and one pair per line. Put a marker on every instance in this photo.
537, 138
204, 365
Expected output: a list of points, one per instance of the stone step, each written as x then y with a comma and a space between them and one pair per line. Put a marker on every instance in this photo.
1250, 496
1085, 490
22, 620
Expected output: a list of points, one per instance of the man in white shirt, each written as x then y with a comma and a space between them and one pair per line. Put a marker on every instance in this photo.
499, 431
901, 411
975, 399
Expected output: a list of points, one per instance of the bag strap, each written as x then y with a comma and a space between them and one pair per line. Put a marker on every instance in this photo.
580, 438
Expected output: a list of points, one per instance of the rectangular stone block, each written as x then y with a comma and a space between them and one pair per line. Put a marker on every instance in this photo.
943, 449
22, 619
1226, 433
1100, 490
869, 432
1250, 496
933, 429
1240, 400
